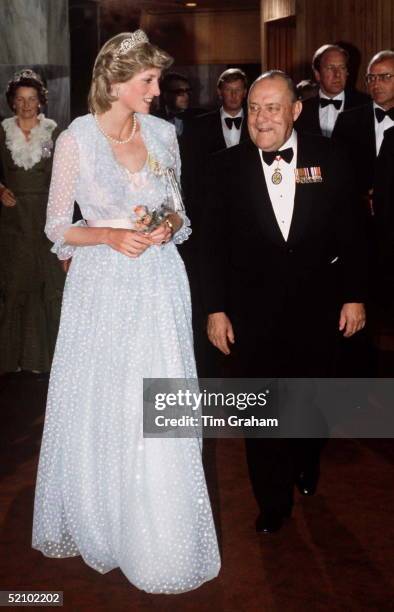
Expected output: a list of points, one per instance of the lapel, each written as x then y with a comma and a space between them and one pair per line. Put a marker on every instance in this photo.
348, 100
305, 194
370, 135
257, 192
220, 143
315, 105
244, 128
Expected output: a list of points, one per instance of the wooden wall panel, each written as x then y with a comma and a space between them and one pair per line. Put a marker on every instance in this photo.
368, 25
277, 9
280, 45
207, 37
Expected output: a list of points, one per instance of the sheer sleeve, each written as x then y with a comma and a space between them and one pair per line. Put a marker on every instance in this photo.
62, 194
184, 232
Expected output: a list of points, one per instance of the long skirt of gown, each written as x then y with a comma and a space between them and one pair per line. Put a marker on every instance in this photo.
103, 491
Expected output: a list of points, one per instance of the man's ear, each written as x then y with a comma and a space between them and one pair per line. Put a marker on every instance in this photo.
316, 74
219, 92
297, 108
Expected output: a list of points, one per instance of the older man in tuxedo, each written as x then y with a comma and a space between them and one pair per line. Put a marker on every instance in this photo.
281, 216
330, 69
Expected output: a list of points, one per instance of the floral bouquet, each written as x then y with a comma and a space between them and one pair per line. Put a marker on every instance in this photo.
148, 220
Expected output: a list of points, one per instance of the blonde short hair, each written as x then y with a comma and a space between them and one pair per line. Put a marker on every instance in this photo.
114, 67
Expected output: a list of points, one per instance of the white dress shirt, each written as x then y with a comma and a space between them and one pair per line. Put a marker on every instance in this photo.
282, 195
381, 127
329, 114
232, 136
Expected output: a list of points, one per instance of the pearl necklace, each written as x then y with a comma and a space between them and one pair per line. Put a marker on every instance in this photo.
113, 140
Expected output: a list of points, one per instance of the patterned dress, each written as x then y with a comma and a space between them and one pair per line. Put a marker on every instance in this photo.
103, 490
31, 279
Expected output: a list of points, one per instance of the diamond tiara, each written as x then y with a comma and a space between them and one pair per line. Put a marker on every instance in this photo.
27, 73
136, 38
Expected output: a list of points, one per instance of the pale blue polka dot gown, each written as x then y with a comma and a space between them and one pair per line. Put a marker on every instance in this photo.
103, 490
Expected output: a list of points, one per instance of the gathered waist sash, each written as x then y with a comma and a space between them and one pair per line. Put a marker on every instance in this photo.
125, 223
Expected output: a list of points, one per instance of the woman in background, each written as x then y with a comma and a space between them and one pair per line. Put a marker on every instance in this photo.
31, 279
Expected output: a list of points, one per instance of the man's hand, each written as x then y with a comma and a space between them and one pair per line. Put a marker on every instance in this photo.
220, 331
352, 318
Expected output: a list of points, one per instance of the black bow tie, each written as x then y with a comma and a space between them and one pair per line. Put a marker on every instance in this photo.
230, 121
286, 154
326, 101
380, 114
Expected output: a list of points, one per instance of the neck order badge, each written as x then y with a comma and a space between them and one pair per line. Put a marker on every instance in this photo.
276, 178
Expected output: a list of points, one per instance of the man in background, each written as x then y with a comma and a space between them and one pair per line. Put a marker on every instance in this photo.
330, 69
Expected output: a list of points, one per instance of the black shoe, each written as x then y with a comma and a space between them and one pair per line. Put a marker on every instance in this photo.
270, 522
307, 481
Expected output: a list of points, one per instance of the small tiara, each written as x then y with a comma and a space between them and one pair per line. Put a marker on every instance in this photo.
26, 74
136, 38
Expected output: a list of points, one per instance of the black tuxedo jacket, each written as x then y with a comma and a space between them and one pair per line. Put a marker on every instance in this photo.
209, 132
250, 272
355, 129
203, 138
383, 200
308, 121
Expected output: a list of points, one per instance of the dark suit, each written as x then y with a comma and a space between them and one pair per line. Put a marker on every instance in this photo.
282, 297
383, 200
203, 139
210, 133
309, 122
355, 129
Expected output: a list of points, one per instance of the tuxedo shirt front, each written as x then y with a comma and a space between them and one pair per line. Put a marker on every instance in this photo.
282, 195
231, 135
381, 127
310, 119
329, 114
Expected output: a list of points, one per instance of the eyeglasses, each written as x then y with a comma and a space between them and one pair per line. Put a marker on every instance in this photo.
180, 91
385, 77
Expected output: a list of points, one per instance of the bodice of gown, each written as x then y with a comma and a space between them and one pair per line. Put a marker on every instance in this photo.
86, 170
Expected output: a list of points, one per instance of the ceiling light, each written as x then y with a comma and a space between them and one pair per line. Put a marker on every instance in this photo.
191, 4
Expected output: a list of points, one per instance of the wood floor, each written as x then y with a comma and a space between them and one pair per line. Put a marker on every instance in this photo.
336, 552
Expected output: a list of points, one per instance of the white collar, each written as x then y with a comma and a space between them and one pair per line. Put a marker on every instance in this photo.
340, 96
224, 114
290, 142
377, 106
27, 153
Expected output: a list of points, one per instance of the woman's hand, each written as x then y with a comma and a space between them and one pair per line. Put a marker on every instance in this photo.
171, 224
7, 198
161, 234
128, 242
